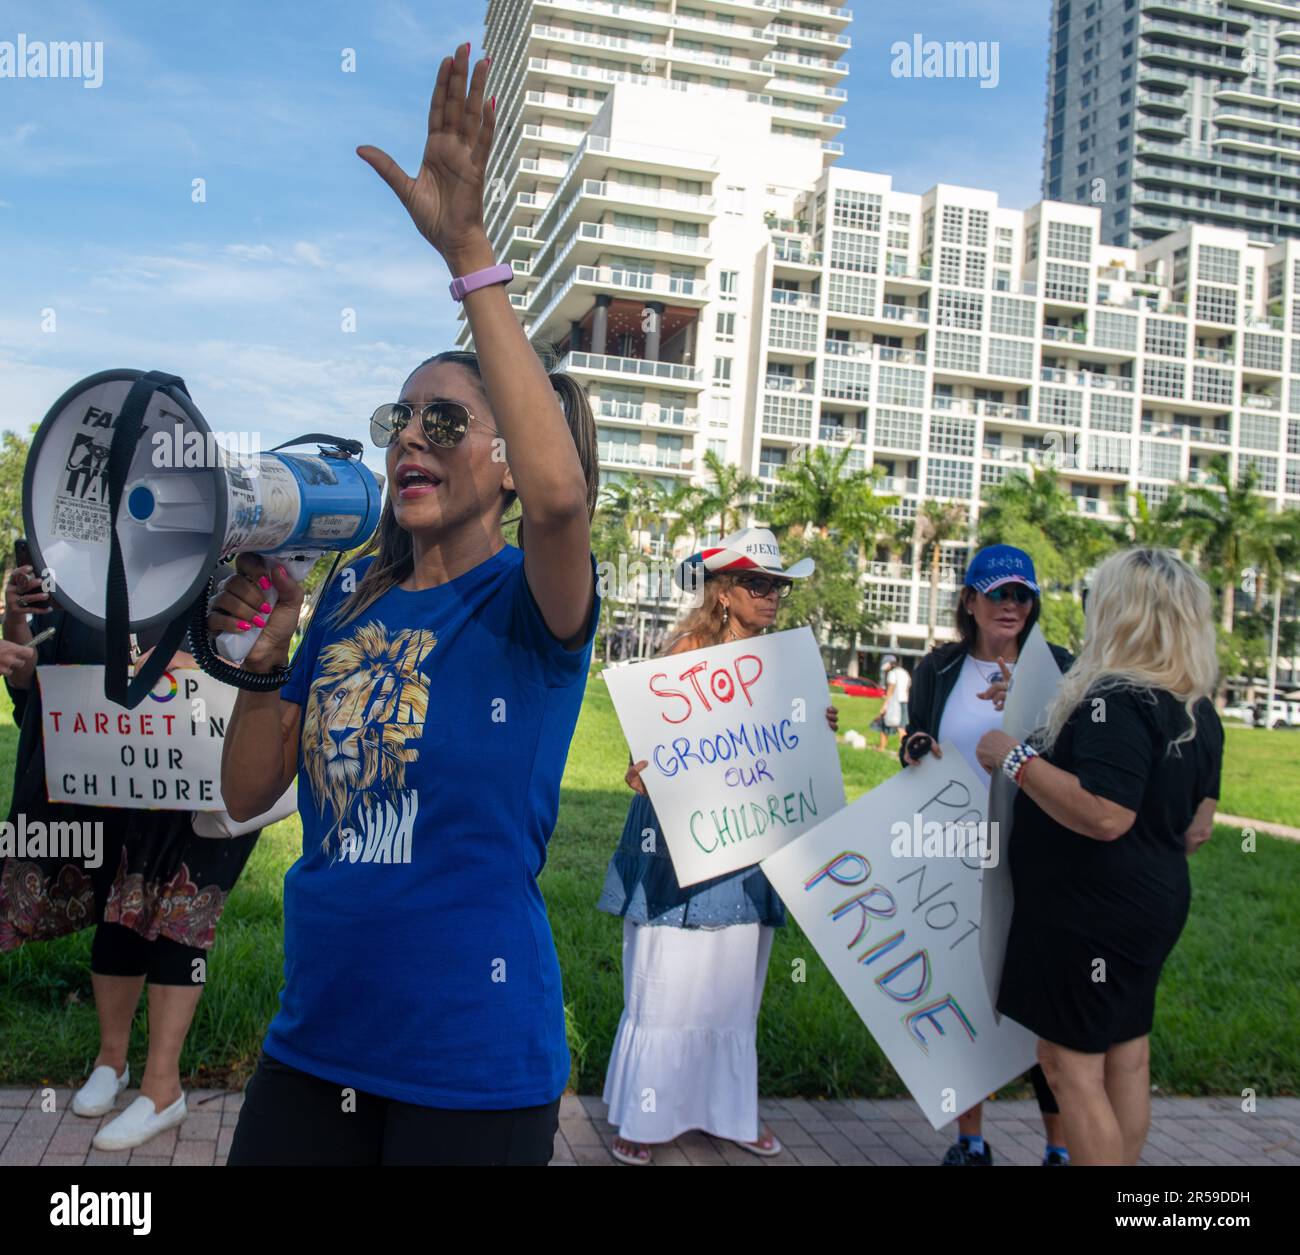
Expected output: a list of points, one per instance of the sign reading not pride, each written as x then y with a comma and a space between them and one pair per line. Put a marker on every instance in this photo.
740, 757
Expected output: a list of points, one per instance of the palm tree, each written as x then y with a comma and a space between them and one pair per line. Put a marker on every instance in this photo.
727, 498
821, 495
1163, 527
1228, 522
1282, 558
639, 501
937, 522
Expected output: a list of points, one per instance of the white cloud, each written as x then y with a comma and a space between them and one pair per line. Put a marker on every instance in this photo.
309, 253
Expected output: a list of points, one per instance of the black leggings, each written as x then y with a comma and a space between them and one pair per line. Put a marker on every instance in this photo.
117, 951
291, 1118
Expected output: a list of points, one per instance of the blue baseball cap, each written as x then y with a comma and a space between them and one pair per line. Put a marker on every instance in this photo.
998, 565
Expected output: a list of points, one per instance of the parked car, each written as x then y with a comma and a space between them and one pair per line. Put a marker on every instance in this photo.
1243, 711
856, 686
1281, 714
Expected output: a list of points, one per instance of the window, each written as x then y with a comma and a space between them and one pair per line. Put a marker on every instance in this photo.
1159, 460
1109, 412
975, 268
950, 266
785, 415
953, 351
953, 219
945, 477
1265, 470
898, 385
1259, 431
851, 250
978, 230
850, 294
1212, 386
847, 379
860, 210
733, 201
1067, 241
793, 329
1110, 453
1011, 357
1060, 406
729, 284
726, 332
1011, 317
897, 429
964, 310
1262, 352
771, 460
1218, 265
1216, 304
1066, 283
722, 372
1166, 337
949, 434
1164, 379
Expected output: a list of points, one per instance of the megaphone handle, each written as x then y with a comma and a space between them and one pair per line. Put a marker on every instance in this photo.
234, 646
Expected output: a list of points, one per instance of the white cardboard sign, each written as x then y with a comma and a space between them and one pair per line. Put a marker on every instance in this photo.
740, 757
888, 891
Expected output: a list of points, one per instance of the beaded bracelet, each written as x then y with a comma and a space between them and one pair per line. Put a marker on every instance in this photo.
1017, 759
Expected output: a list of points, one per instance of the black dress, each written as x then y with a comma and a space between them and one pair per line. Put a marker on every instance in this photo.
1093, 920
155, 875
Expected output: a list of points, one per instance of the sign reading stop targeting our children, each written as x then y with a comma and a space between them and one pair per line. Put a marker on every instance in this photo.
740, 757
163, 755
888, 892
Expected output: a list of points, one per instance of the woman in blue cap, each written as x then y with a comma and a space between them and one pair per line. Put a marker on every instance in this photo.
957, 695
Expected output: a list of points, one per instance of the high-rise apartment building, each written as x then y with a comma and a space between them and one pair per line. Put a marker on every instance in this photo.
1170, 112
717, 282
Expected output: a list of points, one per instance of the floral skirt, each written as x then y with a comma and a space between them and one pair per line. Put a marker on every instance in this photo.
145, 870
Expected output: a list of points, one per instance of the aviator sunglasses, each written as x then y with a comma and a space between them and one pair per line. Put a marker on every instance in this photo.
444, 423
1010, 592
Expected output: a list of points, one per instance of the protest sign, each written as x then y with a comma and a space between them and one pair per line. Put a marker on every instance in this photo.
1033, 686
888, 892
163, 755
740, 757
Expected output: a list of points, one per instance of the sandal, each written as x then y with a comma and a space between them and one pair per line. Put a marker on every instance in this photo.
638, 1156
767, 1145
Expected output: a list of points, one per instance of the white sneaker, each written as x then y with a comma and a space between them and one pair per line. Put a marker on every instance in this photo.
138, 1123
97, 1096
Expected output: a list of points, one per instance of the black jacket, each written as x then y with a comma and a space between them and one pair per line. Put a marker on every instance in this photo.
935, 678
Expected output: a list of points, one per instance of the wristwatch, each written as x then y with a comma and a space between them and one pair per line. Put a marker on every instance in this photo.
462, 287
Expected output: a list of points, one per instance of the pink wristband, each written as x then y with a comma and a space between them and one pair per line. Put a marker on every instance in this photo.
462, 287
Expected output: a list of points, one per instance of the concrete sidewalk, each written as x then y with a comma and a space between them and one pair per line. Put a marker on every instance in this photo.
1184, 1131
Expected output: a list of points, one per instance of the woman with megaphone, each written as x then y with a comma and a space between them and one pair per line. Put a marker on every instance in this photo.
428, 717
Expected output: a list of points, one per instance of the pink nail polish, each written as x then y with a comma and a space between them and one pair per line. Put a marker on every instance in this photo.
259, 621
243, 627
265, 607
283, 572
264, 584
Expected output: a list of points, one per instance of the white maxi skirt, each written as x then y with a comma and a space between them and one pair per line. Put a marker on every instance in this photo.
686, 1053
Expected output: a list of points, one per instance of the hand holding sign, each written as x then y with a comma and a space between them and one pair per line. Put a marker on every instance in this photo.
735, 759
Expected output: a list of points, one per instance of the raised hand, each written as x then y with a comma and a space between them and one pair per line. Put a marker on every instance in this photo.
445, 199
998, 689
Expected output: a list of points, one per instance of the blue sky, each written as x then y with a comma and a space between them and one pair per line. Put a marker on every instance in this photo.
243, 293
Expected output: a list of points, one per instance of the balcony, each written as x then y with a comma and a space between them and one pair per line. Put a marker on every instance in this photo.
552, 100
969, 407
897, 486
1070, 335
785, 254
1261, 401
649, 459
1093, 505
917, 274
905, 313
590, 363
799, 300
847, 348
626, 193
904, 357
652, 241
1021, 456
648, 413
788, 383
833, 434
808, 34
1087, 378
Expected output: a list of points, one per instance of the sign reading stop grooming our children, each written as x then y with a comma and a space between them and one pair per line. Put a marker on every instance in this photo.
740, 758
163, 755
888, 892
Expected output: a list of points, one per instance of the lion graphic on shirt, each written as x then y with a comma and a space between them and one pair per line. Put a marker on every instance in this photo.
364, 719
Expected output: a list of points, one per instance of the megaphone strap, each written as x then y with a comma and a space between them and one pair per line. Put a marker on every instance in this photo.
353, 448
117, 607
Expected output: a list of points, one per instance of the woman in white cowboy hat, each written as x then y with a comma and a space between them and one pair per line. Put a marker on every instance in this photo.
695, 959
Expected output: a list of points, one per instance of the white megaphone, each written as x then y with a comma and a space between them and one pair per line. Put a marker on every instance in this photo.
132, 447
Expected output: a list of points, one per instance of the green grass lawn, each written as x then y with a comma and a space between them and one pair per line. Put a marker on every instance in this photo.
1229, 999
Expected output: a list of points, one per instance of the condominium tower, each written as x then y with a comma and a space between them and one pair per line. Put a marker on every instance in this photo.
664, 184
1170, 112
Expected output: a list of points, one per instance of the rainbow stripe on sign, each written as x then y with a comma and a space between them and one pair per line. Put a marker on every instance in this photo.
166, 697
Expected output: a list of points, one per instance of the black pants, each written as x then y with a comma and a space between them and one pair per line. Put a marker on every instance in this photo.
117, 951
1043, 1091
292, 1118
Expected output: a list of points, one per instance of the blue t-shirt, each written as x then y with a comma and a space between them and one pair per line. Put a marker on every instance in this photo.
418, 958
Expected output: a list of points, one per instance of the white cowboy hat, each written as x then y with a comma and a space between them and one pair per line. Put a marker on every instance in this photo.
750, 549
